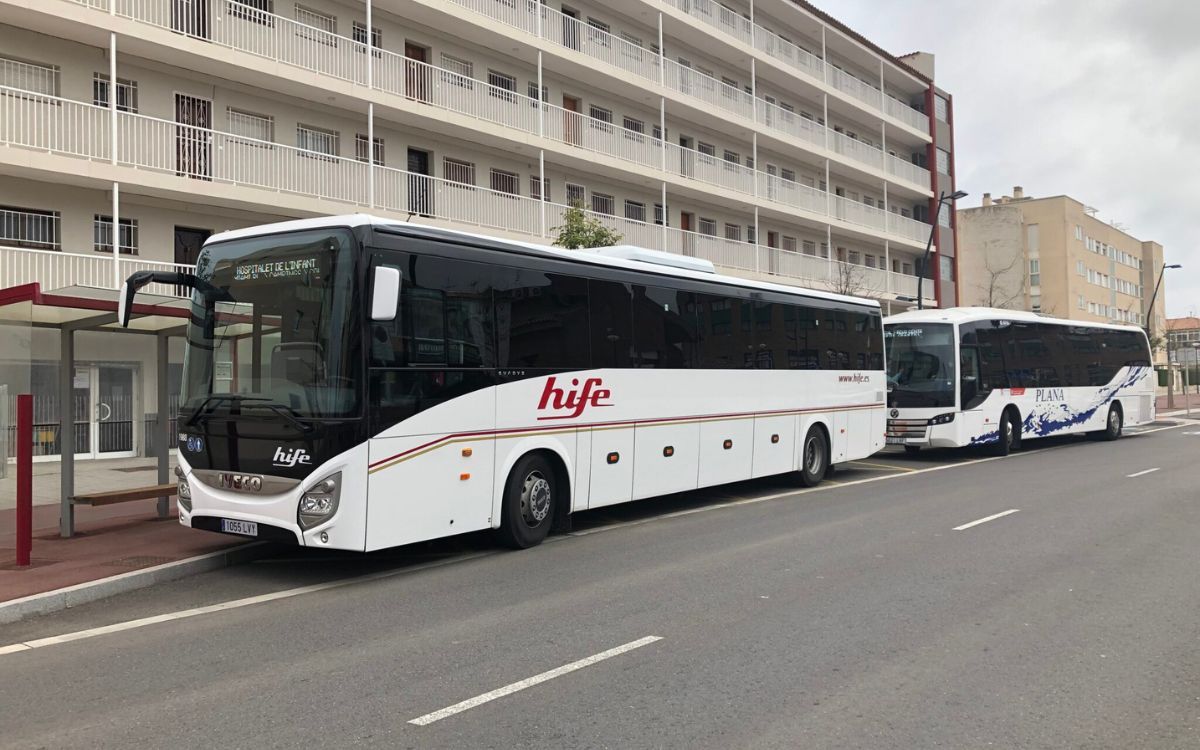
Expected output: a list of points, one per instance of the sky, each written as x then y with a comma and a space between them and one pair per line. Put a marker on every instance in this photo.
1095, 99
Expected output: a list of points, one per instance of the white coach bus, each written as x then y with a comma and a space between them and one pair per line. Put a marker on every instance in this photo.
357, 383
979, 376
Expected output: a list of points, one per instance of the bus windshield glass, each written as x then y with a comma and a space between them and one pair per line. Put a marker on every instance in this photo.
274, 330
920, 365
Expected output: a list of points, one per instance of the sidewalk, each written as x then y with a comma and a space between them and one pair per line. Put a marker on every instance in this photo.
109, 541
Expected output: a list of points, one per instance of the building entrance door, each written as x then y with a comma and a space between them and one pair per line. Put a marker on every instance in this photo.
191, 17
193, 117
420, 183
113, 425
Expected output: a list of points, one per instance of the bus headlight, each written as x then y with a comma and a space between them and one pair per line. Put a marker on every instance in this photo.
183, 493
943, 419
319, 502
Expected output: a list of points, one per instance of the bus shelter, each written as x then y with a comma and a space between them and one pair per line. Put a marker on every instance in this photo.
71, 310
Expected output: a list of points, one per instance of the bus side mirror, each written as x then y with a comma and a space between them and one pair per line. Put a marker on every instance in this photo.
385, 294
124, 305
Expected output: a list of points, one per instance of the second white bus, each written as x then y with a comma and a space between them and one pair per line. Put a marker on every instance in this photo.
978, 376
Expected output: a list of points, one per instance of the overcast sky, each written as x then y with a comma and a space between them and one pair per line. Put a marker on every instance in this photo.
1097, 99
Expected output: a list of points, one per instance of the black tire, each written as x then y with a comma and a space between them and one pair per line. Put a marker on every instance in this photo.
527, 511
1009, 432
814, 457
912, 450
1115, 423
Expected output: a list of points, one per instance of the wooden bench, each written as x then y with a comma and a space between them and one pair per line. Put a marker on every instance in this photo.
123, 496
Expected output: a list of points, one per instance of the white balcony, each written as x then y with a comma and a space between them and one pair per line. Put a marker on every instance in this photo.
729, 22
197, 155
289, 42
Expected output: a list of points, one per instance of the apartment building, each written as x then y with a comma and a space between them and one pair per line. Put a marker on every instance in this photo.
1183, 340
1053, 255
763, 135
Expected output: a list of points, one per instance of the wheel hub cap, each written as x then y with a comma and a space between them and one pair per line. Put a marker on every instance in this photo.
535, 499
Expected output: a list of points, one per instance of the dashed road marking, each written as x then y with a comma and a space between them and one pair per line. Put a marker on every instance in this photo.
966, 526
529, 682
1142, 473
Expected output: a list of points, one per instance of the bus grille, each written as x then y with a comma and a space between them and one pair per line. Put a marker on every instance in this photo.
907, 428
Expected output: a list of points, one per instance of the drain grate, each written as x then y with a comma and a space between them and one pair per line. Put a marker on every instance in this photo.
139, 561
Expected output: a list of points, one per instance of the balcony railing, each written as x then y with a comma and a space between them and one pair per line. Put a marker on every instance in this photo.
290, 42
37, 230
194, 154
776, 47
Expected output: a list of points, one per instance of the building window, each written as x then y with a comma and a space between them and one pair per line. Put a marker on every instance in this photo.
1080, 268
598, 32
458, 171
576, 195
30, 227
247, 125
809, 247
360, 149
944, 215
502, 85
1078, 232
102, 239
127, 92
460, 72
706, 148
253, 10
947, 267
1035, 276
506, 182
539, 189
659, 214
635, 211
870, 260
632, 126
708, 226
603, 203
733, 232
854, 258
732, 158
943, 161
601, 118
941, 108
532, 92
360, 36
322, 22
1035, 303
317, 140
40, 79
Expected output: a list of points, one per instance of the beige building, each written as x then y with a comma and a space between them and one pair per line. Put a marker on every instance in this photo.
763, 135
1052, 255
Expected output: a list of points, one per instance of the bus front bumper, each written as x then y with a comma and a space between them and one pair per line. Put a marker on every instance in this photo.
920, 432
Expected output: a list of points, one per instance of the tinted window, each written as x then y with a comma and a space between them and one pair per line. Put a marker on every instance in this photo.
665, 326
541, 320
723, 343
445, 317
611, 324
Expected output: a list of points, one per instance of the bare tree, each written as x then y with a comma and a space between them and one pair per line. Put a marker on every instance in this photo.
996, 293
851, 279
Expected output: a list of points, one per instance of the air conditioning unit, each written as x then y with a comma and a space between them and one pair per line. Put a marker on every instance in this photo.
656, 257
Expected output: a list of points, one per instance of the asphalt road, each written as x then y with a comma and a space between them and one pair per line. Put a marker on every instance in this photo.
851, 616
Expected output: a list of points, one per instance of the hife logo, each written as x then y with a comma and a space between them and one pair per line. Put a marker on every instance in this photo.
290, 458
574, 399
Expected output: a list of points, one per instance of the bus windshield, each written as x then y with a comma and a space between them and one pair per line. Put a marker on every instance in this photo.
274, 329
920, 365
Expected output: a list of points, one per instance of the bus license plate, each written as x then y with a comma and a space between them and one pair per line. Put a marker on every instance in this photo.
894, 441
245, 528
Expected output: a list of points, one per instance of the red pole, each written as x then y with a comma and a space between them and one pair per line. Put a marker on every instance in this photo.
24, 478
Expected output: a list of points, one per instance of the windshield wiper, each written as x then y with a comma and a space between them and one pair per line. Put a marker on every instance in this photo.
288, 414
217, 398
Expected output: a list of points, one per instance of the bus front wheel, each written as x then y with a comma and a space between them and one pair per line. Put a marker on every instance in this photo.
814, 457
1115, 423
1009, 433
527, 511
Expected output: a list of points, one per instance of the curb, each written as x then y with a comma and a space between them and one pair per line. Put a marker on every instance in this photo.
83, 593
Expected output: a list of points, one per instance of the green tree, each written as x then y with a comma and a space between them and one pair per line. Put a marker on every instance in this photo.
579, 230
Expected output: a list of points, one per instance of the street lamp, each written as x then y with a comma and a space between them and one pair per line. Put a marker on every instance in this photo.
956, 195
1150, 307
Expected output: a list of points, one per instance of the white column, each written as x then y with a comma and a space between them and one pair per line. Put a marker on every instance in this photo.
370, 146
754, 155
887, 213
112, 95
757, 240
887, 264
540, 103
662, 53
666, 215
370, 59
829, 250
882, 90
116, 234
824, 60
542, 183
662, 127
752, 20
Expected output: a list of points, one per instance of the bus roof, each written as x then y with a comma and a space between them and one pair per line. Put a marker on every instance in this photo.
972, 314
575, 256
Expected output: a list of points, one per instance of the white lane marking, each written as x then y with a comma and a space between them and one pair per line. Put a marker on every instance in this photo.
1142, 473
118, 627
528, 682
68, 637
966, 526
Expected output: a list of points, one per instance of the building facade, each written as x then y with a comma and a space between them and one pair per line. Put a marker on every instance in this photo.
760, 134
1183, 340
1052, 255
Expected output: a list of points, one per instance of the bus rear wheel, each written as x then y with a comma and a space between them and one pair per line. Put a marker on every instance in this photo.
814, 457
527, 510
